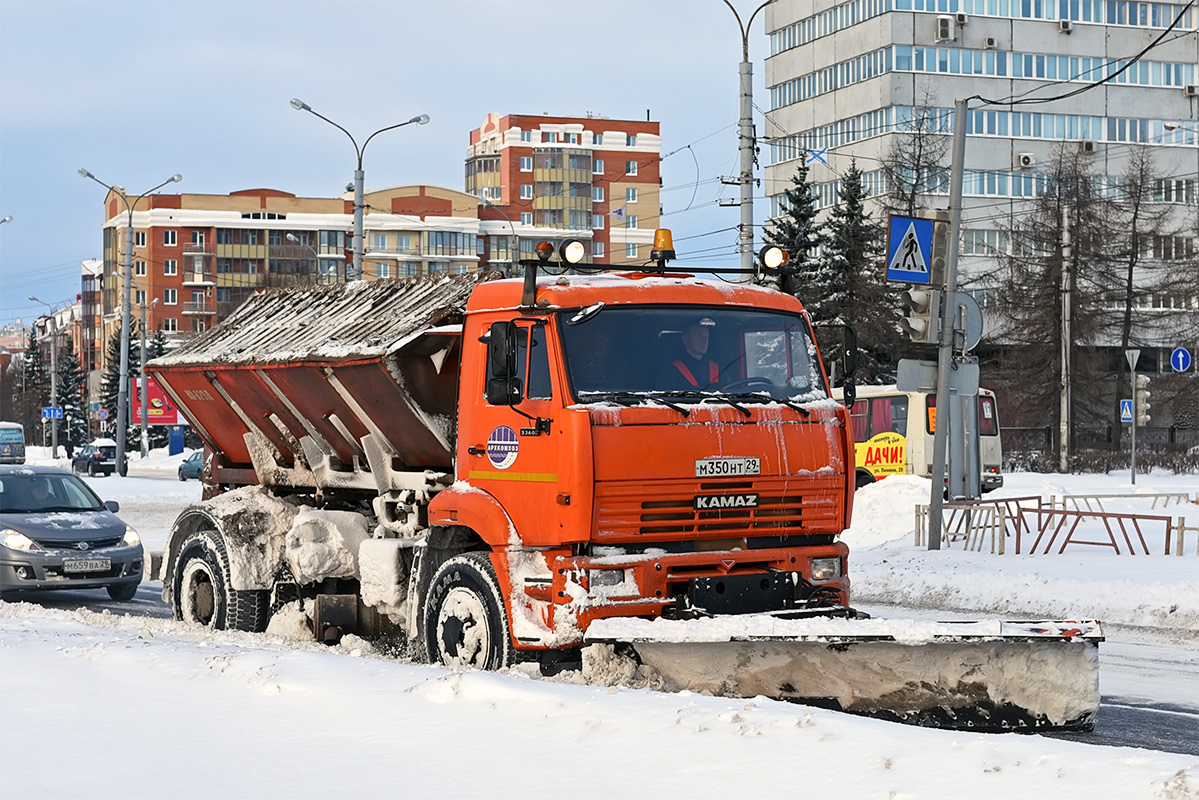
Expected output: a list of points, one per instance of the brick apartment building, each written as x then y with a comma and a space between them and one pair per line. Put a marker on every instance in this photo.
589, 177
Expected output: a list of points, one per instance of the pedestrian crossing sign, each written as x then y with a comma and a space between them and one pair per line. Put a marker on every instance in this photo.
1126, 411
910, 250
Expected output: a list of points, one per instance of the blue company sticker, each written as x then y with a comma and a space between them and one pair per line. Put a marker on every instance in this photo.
502, 447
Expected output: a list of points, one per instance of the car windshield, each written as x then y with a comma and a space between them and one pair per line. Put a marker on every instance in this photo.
689, 354
30, 492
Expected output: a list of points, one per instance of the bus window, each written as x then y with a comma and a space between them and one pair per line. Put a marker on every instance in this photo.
930, 416
857, 416
889, 415
988, 420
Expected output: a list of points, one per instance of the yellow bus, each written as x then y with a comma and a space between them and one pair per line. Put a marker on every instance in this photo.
893, 431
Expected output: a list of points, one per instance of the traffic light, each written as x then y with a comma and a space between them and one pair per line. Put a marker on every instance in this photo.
922, 320
1141, 401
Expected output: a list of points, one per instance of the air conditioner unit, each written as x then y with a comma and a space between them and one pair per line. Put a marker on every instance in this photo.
1064, 26
1087, 146
1190, 90
990, 43
1025, 160
961, 19
945, 28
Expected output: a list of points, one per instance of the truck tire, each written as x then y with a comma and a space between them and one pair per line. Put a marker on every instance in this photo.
201, 592
465, 620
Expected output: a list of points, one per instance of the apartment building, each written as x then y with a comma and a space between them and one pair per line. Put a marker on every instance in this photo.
850, 76
542, 177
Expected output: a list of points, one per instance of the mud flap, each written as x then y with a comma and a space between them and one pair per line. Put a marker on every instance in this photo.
993, 676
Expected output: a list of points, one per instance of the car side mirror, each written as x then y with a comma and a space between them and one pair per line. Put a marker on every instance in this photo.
112, 505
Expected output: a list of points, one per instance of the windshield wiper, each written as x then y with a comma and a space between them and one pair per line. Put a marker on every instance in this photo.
635, 398
771, 398
705, 396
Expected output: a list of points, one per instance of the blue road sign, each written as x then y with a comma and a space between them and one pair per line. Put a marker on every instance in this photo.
1180, 359
1126, 411
910, 250
49, 412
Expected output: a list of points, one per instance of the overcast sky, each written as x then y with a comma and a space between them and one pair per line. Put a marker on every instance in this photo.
138, 91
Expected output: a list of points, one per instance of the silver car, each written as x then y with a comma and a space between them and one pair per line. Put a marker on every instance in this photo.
55, 533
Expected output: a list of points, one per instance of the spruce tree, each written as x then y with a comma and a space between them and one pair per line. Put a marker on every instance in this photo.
797, 231
849, 286
72, 430
36, 387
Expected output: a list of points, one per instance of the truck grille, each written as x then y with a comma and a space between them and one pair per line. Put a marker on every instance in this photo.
666, 510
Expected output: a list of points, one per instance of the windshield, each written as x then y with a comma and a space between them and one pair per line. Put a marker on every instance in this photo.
690, 352
29, 492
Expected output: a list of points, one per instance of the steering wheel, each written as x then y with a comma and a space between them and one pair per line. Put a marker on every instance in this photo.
764, 384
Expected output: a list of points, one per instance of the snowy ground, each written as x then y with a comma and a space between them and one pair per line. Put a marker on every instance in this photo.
146, 707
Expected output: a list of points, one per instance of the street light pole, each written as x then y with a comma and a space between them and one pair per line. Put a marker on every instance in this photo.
52, 326
746, 138
300, 105
513, 255
145, 385
123, 414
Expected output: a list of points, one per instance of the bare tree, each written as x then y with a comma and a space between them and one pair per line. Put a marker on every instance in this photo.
916, 166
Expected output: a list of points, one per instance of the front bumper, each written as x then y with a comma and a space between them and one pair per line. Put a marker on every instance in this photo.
44, 570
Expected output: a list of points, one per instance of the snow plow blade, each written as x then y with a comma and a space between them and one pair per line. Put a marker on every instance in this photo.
983, 676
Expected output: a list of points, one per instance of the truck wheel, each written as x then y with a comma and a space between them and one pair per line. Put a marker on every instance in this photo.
201, 592
465, 622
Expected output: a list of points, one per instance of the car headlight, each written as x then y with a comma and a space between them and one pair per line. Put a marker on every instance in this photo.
825, 569
131, 537
14, 540
604, 577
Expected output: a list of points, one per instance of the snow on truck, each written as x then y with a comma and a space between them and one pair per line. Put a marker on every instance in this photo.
644, 468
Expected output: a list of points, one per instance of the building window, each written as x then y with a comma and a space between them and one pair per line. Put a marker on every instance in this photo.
597, 194
336, 239
597, 222
526, 163
630, 195
380, 241
382, 270
139, 268
597, 166
597, 249
572, 138
170, 238
170, 267
408, 269
549, 137
274, 238
403, 242
630, 250
630, 140
526, 191
525, 136
526, 218
139, 297
249, 237
198, 238
597, 138
139, 238
630, 168
170, 325
224, 236
170, 297
224, 265
630, 222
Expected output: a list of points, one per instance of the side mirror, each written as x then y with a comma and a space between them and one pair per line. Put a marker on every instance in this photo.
504, 391
112, 505
501, 351
849, 392
849, 354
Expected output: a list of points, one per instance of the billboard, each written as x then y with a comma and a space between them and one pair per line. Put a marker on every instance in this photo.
160, 410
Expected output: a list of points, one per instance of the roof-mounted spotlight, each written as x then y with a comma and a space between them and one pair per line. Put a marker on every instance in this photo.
773, 257
545, 250
572, 251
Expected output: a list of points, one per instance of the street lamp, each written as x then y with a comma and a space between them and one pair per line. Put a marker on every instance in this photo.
122, 420
53, 328
6, 219
513, 254
300, 105
145, 385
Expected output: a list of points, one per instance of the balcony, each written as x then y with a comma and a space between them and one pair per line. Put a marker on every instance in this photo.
197, 248
201, 308
199, 278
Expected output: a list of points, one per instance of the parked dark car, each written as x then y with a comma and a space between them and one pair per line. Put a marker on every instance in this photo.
190, 468
97, 458
55, 533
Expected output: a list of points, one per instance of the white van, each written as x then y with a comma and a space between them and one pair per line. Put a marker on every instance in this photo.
893, 431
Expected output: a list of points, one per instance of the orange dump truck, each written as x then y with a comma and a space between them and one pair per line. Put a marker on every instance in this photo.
513, 471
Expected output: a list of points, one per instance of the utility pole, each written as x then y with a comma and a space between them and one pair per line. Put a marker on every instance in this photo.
1063, 457
746, 142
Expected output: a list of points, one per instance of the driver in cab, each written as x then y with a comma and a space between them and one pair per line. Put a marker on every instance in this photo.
692, 369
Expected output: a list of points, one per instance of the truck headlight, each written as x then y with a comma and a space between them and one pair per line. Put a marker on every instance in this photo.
131, 538
18, 541
604, 577
825, 569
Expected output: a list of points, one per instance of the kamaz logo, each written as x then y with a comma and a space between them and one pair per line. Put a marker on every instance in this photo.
708, 502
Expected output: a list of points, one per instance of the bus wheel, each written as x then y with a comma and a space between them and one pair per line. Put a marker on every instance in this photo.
863, 479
